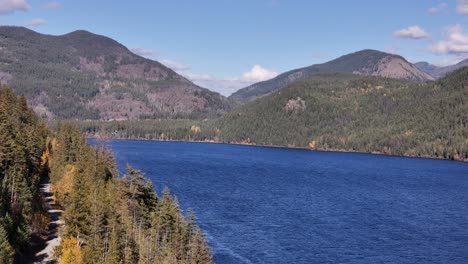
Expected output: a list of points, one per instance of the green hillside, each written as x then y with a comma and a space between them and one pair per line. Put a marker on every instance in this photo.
355, 113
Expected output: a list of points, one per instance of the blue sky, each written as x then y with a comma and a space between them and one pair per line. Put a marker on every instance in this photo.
226, 44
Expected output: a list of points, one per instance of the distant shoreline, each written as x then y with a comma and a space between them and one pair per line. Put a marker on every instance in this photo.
281, 147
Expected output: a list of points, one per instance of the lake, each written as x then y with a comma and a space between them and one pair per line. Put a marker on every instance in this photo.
276, 205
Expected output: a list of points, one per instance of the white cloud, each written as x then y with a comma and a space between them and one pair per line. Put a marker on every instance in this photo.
456, 41
227, 86
36, 22
414, 32
437, 8
52, 5
258, 74
176, 66
147, 53
462, 6
10, 6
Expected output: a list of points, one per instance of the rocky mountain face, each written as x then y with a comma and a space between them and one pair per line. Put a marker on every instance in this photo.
438, 72
365, 62
88, 76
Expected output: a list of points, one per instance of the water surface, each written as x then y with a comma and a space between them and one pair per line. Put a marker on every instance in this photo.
272, 205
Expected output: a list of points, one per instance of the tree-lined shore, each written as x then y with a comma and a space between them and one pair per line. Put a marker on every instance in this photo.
337, 112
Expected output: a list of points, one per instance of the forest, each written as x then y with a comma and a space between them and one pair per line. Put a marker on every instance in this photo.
333, 111
107, 218
22, 143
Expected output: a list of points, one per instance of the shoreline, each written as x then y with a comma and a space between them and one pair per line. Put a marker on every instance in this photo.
282, 147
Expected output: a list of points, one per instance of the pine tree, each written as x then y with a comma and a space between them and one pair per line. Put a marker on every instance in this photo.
199, 252
6, 251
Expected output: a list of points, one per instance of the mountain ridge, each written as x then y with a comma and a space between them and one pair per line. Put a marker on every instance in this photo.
88, 76
439, 71
365, 62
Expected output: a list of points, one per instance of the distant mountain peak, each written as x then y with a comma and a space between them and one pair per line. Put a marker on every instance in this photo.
438, 72
364, 62
86, 75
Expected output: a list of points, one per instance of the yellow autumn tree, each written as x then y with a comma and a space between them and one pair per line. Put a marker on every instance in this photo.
65, 184
313, 144
71, 252
195, 129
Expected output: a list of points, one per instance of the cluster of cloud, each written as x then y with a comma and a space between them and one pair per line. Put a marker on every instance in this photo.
414, 32
258, 74
226, 86
456, 41
437, 8
462, 6
10, 6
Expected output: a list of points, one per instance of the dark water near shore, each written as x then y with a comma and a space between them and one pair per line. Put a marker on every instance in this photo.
270, 205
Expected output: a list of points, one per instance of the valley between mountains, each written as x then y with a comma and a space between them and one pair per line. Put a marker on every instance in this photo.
366, 101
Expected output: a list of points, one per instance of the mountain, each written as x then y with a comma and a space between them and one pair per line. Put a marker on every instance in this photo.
365, 62
438, 72
88, 76
339, 111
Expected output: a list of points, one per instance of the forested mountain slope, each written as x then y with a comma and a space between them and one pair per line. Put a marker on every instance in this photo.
365, 62
88, 76
357, 113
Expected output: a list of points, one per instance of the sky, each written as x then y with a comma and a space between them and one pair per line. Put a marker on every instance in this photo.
225, 45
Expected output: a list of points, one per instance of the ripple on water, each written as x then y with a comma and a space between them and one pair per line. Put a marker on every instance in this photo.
267, 205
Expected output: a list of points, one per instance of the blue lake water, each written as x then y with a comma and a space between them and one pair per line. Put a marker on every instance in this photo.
272, 205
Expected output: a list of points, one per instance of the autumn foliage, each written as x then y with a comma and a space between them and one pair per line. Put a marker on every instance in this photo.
71, 252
